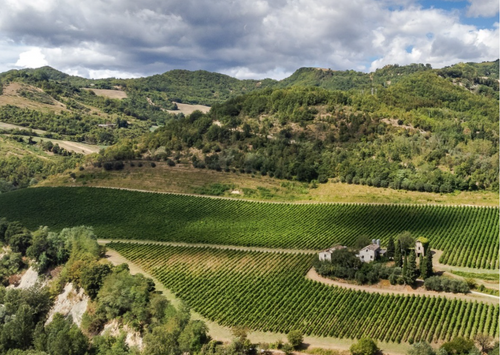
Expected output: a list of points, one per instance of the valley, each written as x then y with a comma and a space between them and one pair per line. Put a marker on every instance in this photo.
222, 192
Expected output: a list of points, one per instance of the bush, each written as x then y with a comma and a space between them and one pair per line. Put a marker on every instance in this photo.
458, 346
365, 346
118, 165
422, 348
295, 338
436, 283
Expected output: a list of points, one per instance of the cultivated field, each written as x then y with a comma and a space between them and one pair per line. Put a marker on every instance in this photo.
188, 109
269, 292
467, 235
111, 94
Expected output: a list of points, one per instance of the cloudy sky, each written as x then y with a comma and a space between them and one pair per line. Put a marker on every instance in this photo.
243, 38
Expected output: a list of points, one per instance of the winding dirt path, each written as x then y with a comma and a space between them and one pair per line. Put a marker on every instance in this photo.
402, 290
215, 246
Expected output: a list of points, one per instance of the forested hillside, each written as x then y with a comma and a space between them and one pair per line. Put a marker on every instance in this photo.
423, 133
404, 127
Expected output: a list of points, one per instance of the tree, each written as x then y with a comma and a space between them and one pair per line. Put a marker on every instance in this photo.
295, 338
162, 340
410, 272
428, 263
406, 240
240, 332
362, 241
458, 346
421, 348
405, 268
398, 260
365, 346
193, 337
390, 248
484, 341
423, 267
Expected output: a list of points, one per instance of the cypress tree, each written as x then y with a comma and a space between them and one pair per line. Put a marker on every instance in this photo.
390, 248
423, 267
428, 262
412, 268
398, 261
405, 269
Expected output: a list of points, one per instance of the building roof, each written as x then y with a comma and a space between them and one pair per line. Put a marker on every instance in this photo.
333, 248
371, 247
423, 240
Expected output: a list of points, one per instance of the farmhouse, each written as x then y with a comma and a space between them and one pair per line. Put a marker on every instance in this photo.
326, 255
371, 252
421, 246
107, 125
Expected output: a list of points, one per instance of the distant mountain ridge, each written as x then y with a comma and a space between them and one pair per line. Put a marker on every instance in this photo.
203, 87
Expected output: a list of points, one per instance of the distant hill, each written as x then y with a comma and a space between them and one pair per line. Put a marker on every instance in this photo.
207, 88
410, 127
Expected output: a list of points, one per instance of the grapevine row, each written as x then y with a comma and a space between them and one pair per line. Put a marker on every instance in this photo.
269, 292
467, 235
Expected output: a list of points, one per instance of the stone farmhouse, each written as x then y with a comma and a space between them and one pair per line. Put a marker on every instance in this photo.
371, 252
326, 255
421, 246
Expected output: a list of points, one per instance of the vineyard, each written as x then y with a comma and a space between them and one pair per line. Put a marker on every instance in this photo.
269, 292
467, 235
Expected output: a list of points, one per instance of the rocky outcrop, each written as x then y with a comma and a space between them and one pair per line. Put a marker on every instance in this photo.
70, 302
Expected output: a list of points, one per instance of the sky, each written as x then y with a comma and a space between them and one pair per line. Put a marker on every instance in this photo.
243, 38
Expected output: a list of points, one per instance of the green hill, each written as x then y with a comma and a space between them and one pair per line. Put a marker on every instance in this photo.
405, 127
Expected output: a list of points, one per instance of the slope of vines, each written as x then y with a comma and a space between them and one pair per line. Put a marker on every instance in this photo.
269, 292
468, 235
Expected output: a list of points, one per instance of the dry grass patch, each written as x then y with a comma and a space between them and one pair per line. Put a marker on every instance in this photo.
11, 96
189, 109
186, 179
110, 94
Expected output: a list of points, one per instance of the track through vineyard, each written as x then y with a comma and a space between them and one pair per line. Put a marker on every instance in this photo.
269, 292
467, 235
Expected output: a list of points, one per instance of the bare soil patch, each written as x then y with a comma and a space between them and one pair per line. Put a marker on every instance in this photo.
4, 125
110, 94
77, 147
11, 96
188, 109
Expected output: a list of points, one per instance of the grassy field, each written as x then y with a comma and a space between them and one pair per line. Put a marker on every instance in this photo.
186, 179
112, 94
9, 147
11, 96
268, 292
468, 235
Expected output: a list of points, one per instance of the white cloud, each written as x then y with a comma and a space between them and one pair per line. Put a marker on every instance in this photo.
483, 8
33, 58
247, 39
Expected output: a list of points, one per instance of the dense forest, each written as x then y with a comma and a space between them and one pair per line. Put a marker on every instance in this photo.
404, 127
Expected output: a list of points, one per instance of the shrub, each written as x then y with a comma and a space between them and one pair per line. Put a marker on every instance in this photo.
295, 338
365, 346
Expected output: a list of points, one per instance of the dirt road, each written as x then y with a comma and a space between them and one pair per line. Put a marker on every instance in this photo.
402, 290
